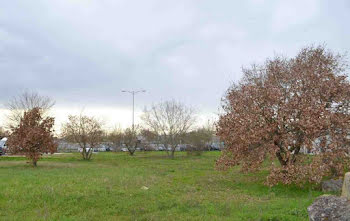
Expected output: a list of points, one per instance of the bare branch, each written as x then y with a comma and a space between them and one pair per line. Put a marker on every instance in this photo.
27, 101
171, 120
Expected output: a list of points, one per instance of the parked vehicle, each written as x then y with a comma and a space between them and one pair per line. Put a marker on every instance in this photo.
81, 149
3, 146
214, 148
101, 149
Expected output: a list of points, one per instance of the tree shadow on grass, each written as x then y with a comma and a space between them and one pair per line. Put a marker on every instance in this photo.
26, 164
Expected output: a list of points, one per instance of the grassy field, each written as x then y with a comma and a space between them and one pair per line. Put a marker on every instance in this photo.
109, 187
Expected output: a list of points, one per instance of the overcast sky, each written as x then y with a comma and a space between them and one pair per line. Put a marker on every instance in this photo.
83, 53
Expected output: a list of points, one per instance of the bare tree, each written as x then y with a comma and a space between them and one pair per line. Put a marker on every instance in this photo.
199, 140
130, 139
115, 137
84, 130
170, 120
27, 101
148, 138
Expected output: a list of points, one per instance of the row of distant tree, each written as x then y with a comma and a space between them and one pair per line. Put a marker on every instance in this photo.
194, 141
169, 123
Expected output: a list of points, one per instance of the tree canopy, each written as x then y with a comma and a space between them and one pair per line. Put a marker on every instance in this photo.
286, 106
33, 136
85, 131
170, 120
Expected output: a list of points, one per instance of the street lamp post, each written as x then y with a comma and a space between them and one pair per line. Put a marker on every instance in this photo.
133, 104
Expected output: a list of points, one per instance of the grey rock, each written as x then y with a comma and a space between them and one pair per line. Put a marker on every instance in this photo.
332, 185
346, 186
328, 208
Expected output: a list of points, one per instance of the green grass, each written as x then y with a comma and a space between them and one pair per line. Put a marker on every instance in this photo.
108, 187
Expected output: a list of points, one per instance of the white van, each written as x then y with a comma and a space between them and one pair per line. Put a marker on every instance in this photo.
3, 146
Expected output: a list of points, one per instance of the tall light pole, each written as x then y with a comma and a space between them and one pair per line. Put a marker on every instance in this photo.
133, 104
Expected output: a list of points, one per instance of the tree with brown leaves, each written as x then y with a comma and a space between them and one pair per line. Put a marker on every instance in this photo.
85, 131
286, 106
33, 136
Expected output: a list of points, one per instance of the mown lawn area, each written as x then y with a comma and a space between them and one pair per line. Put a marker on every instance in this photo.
109, 187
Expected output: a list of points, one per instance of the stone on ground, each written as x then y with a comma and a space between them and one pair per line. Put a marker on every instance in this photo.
329, 207
332, 185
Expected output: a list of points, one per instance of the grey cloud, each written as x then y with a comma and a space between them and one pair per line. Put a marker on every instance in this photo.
85, 52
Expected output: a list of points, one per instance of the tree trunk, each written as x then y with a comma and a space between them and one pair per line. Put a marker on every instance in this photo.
89, 154
131, 150
166, 149
280, 159
83, 153
172, 154
86, 154
34, 163
280, 152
